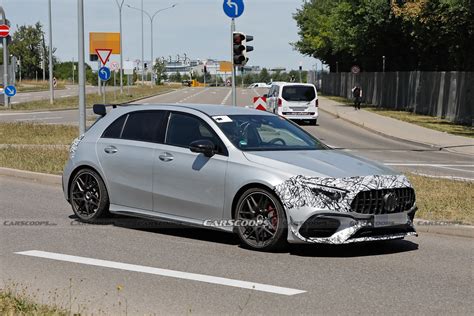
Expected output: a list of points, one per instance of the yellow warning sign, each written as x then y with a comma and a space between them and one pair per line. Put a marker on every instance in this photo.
103, 40
225, 66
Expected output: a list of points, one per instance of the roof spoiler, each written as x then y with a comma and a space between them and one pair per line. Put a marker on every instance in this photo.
101, 109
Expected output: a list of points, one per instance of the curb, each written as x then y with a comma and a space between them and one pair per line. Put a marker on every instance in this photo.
444, 228
423, 226
429, 146
34, 176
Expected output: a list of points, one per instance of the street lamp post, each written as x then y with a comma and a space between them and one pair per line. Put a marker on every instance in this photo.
5, 58
51, 88
81, 66
120, 6
152, 18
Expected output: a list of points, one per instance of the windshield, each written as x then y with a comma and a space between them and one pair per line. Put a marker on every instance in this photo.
266, 133
299, 93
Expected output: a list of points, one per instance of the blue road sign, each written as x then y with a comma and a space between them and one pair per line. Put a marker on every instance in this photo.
233, 8
10, 91
104, 73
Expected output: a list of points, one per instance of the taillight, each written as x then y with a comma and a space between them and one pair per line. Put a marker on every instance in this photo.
279, 102
317, 102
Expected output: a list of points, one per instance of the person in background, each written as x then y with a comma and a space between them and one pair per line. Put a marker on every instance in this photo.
357, 95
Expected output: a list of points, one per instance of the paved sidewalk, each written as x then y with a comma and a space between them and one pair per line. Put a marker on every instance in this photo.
398, 129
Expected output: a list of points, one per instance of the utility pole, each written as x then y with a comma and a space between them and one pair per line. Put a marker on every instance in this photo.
73, 71
383, 63
143, 48
120, 6
43, 60
5, 59
81, 64
51, 88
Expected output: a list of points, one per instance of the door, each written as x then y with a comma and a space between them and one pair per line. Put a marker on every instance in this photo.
126, 154
189, 184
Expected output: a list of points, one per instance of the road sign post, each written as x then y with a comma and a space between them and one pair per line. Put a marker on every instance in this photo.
5, 53
233, 9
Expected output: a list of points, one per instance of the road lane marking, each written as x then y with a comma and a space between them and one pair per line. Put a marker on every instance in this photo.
192, 95
163, 272
226, 97
426, 165
40, 118
443, 177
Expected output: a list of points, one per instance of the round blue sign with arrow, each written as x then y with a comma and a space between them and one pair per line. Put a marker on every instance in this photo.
10, 91
104, 73
233, 8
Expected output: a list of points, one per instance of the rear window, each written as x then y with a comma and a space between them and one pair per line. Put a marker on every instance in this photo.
143, 126
298, 93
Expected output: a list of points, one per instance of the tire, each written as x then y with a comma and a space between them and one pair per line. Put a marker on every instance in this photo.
88, 196
267, 212
313, 122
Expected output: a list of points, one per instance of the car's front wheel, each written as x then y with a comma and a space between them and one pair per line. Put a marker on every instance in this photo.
88, 196
261, 221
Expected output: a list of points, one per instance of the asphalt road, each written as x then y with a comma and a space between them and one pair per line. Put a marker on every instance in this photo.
430, 274
335, 132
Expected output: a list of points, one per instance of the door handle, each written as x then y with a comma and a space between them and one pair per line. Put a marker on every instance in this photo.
111, 149
166, 157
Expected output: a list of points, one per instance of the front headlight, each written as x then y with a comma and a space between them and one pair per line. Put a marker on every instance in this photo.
335, 194
74, 145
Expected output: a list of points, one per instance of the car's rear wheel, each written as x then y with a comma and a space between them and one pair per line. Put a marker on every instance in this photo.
261, 221
88, 196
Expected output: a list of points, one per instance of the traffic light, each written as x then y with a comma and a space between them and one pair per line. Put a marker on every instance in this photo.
241, 48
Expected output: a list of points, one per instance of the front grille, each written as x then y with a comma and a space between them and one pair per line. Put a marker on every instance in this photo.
372, 201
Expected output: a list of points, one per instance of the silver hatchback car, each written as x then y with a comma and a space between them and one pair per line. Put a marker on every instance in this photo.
239, 170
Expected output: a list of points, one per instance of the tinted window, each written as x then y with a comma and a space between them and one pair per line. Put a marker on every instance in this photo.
115, 129
143, 126
184, 129
298, 93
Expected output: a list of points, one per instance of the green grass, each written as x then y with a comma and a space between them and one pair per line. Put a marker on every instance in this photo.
136, 92
430, 122
14, 304
444, 199
38, 134
37, 159
35, 86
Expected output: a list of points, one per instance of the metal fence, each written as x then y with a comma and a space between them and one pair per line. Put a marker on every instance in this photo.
447, 95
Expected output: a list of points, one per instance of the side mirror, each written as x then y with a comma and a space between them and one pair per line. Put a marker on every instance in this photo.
203, 146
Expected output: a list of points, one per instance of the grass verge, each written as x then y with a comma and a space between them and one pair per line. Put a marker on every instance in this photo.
136, 92
45, 160
36, 86
444, 199
430, 122
37, 134
11, 304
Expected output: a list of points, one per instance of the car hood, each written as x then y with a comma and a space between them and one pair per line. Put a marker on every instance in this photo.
318, 163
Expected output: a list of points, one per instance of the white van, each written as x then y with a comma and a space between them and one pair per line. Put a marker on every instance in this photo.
295, 101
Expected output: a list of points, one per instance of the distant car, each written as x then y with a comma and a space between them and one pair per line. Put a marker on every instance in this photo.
259, 85
187, 83
235, 169
295, 101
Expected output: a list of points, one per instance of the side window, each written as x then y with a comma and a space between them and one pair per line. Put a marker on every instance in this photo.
184, 129
143, 126
115, 129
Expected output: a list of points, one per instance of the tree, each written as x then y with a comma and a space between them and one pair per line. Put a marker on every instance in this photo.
416, 34
264, 75
28, 45
159, 69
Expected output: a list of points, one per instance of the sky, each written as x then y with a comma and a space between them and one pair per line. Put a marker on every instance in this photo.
198, 28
